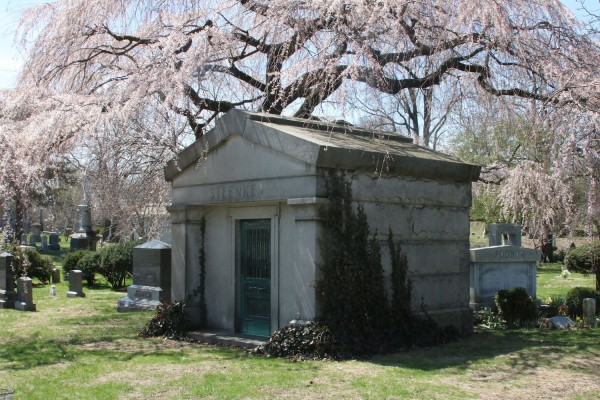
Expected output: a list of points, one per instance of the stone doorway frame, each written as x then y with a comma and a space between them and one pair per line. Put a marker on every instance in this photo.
236, 215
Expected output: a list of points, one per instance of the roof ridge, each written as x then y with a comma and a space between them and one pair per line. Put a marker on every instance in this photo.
326, 126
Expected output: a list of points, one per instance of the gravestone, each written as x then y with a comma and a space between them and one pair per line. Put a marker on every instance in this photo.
24, 239
589, 313
56, 275
7, 282
36, 232
75, 284
560, 322
504, 264
25, 295
85, 238
151, 278
32, 241
53, 241
44, 245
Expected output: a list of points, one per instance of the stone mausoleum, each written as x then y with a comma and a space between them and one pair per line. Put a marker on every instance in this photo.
258, 182
503, 265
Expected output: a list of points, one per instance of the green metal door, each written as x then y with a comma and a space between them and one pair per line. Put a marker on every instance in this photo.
255, 277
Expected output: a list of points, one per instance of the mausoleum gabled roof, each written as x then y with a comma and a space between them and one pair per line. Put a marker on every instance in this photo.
328, 145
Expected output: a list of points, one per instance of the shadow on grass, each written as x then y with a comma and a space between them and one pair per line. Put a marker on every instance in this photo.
33, 353
523, 350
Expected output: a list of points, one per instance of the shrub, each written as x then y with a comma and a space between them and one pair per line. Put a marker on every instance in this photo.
71, 260
168, 322
40, 266
559, 255
30, 263
87, 261
116, 263
516, 307
574, 300
585, 259
89, 264
313, 341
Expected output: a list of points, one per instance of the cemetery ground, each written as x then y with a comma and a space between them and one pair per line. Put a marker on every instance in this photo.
82, 348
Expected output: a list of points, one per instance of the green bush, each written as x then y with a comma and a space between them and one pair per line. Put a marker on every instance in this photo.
559, 255
86, 261
89, 264
30, 263
41, 267
116, 263
71, 260
585, 259
516, 307
574, 300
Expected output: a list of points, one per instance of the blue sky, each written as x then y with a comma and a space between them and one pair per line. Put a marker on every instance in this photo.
11, 59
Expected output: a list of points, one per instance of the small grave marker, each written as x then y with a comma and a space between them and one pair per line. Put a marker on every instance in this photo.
54, 241
560, 322
25, 295
56, 275
75, 284
44, 245
589, 313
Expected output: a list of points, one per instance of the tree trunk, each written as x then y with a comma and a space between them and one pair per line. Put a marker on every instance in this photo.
19, 217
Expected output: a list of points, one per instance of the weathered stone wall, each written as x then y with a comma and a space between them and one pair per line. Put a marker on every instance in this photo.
430, 220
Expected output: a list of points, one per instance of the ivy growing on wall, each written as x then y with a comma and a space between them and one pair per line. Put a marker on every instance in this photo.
200, 290
401, 289
351, 290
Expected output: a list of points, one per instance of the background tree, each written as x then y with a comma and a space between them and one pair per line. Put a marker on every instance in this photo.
535, 170
177, 64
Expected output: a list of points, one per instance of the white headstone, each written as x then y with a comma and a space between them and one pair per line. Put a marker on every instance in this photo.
589, 313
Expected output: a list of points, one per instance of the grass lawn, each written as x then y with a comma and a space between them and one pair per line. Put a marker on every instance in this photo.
83, 349
550, 283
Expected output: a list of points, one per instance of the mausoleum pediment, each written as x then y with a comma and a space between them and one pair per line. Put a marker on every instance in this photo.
318, 144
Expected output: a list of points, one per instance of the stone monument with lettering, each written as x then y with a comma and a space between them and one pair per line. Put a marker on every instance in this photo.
151, 278
7, 282
24, 300
502, 265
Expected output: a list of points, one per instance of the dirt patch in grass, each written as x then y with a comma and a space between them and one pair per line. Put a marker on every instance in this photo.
138, 345
540, 383
568, 378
